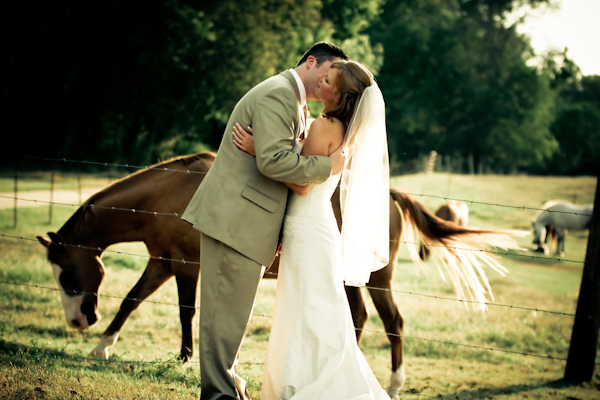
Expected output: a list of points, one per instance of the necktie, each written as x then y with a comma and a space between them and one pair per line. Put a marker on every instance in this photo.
303, 117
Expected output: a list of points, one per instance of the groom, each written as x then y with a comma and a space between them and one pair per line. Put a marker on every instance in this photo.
239, 210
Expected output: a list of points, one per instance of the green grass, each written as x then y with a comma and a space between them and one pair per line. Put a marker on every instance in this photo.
42, 180
516, 349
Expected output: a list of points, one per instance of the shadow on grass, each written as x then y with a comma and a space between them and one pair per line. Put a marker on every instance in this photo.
539, 389
532, 257
21, 356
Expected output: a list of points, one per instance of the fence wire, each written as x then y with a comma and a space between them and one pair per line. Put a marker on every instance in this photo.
191, 262
173, 214
417, 338
155, 213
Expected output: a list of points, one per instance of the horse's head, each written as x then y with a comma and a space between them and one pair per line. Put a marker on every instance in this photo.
79, 273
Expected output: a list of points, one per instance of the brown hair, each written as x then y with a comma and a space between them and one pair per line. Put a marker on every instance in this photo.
323, 51
352, 79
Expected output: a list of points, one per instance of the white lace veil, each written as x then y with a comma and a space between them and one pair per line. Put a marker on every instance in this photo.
365, 191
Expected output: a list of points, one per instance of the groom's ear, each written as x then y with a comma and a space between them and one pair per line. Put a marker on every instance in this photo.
311, 61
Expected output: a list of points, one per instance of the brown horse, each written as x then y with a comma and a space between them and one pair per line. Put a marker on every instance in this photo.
106, 218
456, 211
141, 207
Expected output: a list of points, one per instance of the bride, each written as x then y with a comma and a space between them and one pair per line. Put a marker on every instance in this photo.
312, 351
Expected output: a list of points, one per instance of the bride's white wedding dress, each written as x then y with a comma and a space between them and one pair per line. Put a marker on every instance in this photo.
312, 352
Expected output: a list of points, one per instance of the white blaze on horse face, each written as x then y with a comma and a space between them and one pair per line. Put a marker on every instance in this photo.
71, 304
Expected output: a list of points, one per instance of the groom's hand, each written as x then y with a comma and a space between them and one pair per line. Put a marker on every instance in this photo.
338, 158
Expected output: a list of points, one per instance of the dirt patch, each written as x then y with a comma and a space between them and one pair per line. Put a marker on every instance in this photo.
37, 198
550, 262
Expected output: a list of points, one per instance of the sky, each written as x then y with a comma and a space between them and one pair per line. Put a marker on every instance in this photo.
574, 25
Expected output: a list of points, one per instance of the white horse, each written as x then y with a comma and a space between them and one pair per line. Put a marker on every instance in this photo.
556, 217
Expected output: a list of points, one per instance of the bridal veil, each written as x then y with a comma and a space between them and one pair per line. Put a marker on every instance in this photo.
365, 191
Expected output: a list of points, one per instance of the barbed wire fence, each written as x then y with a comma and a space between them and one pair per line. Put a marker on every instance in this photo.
424, 339
51, 203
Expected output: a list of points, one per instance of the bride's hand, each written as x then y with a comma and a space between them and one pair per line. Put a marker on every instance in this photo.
243, 139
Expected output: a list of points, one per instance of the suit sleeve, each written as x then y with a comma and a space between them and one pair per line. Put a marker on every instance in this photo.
273, 128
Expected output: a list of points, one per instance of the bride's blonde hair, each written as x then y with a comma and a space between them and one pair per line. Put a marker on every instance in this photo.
352, 79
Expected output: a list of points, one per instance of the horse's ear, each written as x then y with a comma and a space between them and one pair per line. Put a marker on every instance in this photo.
44, 241
56, 238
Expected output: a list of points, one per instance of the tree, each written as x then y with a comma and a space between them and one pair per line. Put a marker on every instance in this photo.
123, 81
94, 82
577, 128
456, 81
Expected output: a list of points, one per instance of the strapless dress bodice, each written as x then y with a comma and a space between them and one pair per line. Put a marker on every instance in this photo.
315, 203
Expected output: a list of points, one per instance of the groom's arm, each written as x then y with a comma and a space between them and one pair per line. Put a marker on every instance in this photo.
273, 127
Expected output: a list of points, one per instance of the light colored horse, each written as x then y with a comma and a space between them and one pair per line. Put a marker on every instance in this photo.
558, 216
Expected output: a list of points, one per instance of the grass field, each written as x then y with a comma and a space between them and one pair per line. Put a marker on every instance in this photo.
514, 350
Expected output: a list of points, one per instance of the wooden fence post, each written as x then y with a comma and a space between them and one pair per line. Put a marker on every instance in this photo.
16, 195
79, 186
584, 339
51, 197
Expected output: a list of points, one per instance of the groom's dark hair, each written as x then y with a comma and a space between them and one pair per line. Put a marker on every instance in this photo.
323, 51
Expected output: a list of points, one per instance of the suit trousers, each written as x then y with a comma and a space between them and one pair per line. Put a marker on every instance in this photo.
228, 286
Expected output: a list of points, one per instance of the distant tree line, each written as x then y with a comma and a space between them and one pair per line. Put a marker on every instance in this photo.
138, 82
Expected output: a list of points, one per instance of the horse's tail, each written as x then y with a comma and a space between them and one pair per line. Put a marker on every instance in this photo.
457, 248
431, 227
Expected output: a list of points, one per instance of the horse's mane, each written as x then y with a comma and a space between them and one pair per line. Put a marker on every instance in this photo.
185, 160
175, 163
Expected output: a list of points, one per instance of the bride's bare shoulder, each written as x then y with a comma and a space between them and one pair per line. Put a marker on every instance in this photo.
327, 126
324, 136
325, 122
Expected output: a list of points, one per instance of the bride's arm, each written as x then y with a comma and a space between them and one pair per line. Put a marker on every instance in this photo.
244, 139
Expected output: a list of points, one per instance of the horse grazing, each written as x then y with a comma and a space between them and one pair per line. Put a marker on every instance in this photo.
107, 218
131, 210
455, 211
554, 218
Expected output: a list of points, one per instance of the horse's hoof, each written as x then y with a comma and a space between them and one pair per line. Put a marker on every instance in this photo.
99, 354
394, 394
543, 250
396, 383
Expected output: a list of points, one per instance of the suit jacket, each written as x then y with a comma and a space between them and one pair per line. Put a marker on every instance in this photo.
242, 200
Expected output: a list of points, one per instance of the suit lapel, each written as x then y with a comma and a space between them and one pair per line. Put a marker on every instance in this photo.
300, 128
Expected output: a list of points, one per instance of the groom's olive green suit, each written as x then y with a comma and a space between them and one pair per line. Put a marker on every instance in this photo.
239, 208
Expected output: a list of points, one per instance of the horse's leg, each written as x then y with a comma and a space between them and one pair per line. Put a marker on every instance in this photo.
424, 252
380, 288
157, 272
560, 241
384, 301
187, 284
358, 308
550, 237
